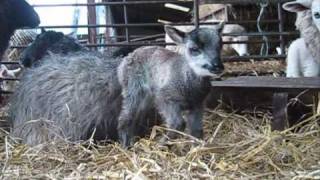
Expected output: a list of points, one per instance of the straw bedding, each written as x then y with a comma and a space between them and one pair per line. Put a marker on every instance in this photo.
235, 146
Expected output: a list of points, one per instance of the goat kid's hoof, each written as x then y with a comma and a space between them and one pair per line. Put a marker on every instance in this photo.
125, 140
197, 134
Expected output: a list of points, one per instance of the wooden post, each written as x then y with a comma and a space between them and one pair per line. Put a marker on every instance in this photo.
92, 20
318, 103
279, 111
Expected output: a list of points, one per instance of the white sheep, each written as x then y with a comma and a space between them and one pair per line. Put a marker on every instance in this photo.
304, 53
5, 73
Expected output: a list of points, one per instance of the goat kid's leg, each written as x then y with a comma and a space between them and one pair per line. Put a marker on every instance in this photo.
194, 122
126, 124
172, 115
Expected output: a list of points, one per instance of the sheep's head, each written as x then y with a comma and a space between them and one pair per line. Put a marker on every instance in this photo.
202, 48
49, 41
302, 5
21, 14
5, 73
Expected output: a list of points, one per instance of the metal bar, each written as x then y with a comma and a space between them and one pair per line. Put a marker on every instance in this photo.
161, 2
114, 3
125, 15
196, 13
5, 92
9, 62
155, 43
224, 58
9, 79
262, 34
280, 17
244, 2
148, 24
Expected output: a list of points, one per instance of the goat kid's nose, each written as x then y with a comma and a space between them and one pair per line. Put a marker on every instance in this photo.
215, 68
218, 65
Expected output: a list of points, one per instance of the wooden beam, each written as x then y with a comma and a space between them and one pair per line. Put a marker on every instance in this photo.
276, 83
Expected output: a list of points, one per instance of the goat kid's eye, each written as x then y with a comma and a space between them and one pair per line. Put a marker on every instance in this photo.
194, 51
317, 15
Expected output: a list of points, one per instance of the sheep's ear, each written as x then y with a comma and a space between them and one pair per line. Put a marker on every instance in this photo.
16, 72
3, 73
43, 30
176, 35
220, 26
297, 6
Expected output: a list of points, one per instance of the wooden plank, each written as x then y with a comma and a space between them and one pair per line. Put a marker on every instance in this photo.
279, 111
312, 83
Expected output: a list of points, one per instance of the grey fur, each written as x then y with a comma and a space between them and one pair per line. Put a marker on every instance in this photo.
159, 78
68, 97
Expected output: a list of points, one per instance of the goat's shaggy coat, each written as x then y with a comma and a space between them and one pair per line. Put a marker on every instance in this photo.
68, 97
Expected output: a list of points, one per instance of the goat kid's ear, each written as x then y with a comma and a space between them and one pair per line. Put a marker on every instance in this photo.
176, 35
220, 26
297, 6
73, 35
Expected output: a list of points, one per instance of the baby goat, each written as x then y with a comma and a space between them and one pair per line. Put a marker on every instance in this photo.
154, 77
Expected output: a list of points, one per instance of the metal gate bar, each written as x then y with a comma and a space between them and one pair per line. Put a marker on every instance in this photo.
129, 41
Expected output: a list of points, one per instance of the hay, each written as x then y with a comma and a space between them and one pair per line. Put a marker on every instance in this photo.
235, 146
20, 38
255, 67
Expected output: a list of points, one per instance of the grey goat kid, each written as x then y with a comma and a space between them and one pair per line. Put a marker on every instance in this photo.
154, 77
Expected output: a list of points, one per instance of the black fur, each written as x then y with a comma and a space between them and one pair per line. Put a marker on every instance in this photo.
15, 14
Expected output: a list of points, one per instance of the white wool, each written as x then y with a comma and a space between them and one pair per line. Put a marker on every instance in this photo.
309, 32
300, 61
